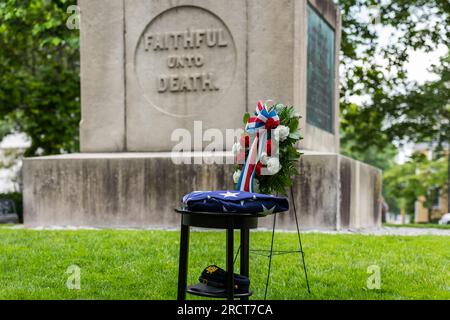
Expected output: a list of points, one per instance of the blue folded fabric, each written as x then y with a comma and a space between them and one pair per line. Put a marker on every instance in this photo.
234, 202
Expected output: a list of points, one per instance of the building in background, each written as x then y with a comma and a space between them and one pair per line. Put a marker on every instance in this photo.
439, 194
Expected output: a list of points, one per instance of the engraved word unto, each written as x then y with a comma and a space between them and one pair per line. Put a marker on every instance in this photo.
189, 41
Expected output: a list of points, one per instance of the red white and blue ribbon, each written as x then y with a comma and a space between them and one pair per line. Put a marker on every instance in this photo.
262, 118
260, 124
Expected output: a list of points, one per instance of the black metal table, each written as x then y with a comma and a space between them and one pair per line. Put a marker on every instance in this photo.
222, 220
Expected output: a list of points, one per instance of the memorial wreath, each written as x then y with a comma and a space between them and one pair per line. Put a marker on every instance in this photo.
266, 153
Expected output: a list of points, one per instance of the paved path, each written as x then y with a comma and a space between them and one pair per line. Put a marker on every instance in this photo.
392, 231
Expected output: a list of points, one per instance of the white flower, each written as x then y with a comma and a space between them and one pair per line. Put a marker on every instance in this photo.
236, 176
236, 148
273, 165
281, 132
279, 107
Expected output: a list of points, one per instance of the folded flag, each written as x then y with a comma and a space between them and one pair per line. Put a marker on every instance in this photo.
234, 202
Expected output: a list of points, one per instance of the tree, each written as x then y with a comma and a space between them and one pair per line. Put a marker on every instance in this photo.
39, 75
417, 177
396, 109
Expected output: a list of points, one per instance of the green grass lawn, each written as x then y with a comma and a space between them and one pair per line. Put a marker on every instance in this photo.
143, 264
419, 225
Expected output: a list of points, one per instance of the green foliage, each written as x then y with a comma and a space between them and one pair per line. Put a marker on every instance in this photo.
417, 177
39, 74
396, 109
246, 117
121, 264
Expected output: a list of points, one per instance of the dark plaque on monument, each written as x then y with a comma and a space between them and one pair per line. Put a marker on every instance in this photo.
321, 70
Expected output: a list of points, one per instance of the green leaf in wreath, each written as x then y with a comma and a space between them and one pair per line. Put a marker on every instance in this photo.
292, 154
246, 117
293, 125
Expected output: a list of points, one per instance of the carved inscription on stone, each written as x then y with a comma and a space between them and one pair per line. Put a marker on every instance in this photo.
185, 60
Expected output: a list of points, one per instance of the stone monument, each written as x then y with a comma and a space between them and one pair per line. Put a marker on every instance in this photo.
151, 67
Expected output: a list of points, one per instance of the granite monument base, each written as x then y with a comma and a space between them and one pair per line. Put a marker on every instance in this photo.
140, 190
